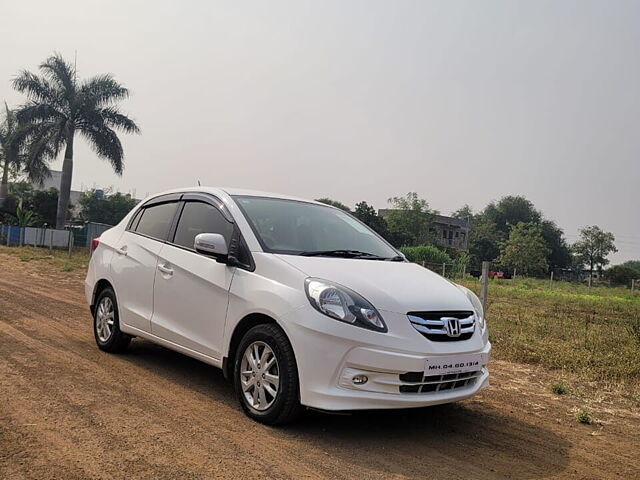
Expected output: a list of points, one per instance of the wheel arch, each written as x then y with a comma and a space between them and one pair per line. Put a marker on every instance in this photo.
99, 287
243, 326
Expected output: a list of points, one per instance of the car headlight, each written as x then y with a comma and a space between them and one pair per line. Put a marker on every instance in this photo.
476, 303
343, 304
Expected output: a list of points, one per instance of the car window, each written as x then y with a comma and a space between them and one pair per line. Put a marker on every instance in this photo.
294, 227
133, 224
156, 220
199, 217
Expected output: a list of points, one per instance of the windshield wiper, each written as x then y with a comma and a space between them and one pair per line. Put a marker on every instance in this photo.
341, 254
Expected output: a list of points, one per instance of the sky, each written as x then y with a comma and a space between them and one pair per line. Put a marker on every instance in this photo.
461, 102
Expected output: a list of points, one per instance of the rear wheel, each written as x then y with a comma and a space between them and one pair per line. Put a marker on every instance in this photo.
106, 324
266, 376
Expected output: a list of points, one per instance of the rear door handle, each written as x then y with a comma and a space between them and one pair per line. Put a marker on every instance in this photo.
122, 250
166, 270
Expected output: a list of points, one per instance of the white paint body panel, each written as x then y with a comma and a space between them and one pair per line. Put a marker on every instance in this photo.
196, 310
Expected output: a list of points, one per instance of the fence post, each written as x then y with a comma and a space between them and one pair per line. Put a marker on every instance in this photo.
70, 243
484, 285
551, 279
444, 269
515, 270
633, 284
8, 234
464, 270
50, 240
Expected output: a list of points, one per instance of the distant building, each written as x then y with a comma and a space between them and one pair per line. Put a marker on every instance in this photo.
54, 182
448, 231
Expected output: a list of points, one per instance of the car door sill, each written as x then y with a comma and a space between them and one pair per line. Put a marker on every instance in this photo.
172, 346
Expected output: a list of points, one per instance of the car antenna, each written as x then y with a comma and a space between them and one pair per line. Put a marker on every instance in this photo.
198, 182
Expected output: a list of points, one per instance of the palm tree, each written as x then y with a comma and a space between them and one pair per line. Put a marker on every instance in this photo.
12, 142
59, 107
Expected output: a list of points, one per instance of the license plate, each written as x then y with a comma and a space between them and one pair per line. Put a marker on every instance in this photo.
449, 364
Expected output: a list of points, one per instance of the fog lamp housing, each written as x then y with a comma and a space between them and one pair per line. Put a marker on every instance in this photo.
360, 379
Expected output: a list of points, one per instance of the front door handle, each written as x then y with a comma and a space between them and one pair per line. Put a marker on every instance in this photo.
166, 270
122, 250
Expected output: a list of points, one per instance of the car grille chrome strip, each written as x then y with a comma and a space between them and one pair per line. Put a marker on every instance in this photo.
434, 325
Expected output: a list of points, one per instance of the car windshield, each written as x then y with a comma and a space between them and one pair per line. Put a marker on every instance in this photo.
303, 228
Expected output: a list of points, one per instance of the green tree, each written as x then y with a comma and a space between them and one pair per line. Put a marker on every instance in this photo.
484, 241
593, 247
511, 210
109, 209
465, 212
635, 264
622, 274
368, 215
408, 221
334, 203
44, 204
59, 107
559, 251
525, 249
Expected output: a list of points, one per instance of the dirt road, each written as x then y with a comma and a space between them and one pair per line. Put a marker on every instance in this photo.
69, 411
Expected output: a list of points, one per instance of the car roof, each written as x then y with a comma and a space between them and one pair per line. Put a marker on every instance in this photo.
236, 191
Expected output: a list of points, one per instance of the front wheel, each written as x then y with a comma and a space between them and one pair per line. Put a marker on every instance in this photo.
266, 376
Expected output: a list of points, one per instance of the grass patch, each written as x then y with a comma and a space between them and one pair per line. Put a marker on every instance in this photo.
592, 332
559, 388
583, 415
59, 259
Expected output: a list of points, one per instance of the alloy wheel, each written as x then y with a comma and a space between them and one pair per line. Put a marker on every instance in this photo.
259, 375
105, 317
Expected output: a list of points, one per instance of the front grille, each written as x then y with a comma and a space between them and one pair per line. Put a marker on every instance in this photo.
433, 325
418, 382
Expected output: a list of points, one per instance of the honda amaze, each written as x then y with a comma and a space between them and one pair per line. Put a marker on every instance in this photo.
299, 303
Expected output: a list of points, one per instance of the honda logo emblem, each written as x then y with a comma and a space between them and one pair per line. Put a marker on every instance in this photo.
452, 326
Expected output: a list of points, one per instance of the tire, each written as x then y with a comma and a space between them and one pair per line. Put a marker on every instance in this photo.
106, 323
266, 408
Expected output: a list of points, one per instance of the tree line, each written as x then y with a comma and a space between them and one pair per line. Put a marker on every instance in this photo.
511, 233
38, 208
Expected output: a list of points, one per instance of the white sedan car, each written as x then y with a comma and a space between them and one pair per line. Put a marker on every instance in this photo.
299, 303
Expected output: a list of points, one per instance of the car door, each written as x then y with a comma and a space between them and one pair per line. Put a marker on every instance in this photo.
133, 266
191, 291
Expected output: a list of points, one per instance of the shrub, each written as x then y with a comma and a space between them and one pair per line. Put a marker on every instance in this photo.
559, 388
426, 254
583, 415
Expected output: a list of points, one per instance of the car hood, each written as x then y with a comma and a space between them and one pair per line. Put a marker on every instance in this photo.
399, 287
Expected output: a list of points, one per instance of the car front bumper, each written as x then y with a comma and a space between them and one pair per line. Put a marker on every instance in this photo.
330, 353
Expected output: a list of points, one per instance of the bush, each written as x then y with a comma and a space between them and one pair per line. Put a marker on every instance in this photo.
559, 388
426, 254
583, 415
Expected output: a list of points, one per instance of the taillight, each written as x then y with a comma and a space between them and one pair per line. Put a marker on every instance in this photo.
94, 243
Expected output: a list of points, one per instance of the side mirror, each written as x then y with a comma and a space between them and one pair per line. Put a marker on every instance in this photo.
211, 244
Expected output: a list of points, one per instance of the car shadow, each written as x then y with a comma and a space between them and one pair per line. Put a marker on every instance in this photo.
470, 439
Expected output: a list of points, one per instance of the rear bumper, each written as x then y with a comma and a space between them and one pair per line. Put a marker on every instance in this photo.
330, 354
